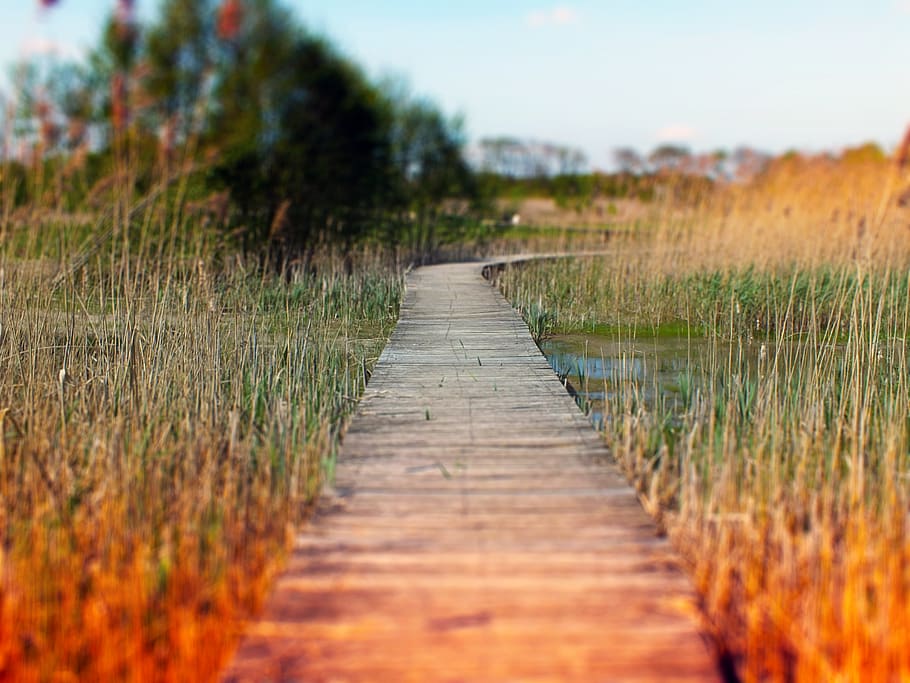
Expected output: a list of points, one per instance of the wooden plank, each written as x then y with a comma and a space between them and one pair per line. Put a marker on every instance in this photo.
477, 529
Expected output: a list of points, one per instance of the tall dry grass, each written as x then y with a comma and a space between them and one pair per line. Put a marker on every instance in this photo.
781, 470
167, 412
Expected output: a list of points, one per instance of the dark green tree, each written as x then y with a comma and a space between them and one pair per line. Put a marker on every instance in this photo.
429, 168
427, 151
180, 50
306, 151
71, 89
307, 146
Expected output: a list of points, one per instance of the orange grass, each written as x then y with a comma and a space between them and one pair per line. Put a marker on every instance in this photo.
783, 480
166, 416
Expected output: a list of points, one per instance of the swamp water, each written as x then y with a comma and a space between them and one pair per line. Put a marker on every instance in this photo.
660, 372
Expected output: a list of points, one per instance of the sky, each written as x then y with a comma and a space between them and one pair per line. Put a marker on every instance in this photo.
812, 75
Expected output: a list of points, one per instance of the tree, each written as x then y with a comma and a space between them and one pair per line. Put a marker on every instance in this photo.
504, 156
307, 146
305, 137
669, 157
427, 150
516, 158
749, 162
26, 79
179, 51
628, 160
71, 91
570, 161
110, 72
428, 167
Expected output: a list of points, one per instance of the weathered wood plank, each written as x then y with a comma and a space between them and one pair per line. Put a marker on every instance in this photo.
477, 529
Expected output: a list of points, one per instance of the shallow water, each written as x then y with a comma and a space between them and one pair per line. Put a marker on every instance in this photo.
663, 369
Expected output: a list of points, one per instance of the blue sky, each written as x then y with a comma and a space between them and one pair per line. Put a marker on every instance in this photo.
804, 74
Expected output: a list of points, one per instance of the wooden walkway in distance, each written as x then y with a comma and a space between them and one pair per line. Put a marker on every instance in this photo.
477, 529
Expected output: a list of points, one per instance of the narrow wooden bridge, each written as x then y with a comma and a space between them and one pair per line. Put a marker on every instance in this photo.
477, 529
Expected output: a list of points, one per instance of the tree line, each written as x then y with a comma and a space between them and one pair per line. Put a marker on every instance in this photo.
304, 145
742, 164
245, 105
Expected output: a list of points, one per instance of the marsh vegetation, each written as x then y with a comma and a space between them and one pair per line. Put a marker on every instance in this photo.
165, 421
777, 456
203, 233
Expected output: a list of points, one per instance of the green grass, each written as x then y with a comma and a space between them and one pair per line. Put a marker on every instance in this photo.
603, 298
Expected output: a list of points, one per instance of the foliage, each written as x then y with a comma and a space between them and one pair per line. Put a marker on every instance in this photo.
308, 153
179, 51
165, 417
780, 467
516, 158
308, 148
669, 156
573, 189
868, 153
426, 151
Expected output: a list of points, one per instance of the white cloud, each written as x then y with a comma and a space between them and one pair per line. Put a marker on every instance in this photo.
902, 6
676, 132
555, 16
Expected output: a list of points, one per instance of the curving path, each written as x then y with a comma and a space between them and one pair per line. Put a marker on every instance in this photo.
477, 529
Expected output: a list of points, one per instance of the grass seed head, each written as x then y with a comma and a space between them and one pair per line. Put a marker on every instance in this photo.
902, 156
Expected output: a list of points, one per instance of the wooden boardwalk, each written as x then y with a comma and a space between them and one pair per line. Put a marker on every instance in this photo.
477, 529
